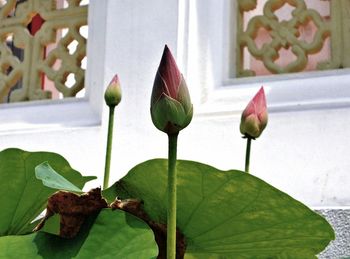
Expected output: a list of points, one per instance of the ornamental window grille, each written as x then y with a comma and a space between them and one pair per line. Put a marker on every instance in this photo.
42, 49
286, 36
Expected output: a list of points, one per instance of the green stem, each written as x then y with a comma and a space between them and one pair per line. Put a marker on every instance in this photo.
171, 226
247, 154
109, 146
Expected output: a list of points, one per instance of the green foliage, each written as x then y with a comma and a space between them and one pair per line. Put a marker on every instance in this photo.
22, 196
119, 235
52, 179
114, 234
222, 214
228, 214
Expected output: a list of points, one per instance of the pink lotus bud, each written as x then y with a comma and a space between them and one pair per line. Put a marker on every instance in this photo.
171, 107
254, 117
113, 93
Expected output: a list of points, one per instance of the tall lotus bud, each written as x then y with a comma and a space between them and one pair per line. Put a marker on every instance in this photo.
254, 117
171, 107
113, 93
113, 96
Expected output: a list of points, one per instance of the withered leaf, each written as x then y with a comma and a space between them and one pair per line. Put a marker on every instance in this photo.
73, 210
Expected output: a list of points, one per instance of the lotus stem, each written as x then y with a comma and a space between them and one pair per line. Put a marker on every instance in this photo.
247, 154
109, 147
171, 224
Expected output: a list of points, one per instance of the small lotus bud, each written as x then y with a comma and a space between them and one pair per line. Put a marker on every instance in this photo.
113, 93
171, 107
254, 117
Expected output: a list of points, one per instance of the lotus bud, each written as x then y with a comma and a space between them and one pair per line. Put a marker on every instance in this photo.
171, 107
113, 93
254, 117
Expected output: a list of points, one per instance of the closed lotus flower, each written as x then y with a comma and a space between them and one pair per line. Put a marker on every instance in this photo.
113, 93
171, 107
254, 117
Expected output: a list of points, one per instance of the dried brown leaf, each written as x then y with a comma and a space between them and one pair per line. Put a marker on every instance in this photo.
73, 210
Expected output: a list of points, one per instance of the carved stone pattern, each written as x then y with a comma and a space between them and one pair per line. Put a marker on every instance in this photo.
285, 34
34, 62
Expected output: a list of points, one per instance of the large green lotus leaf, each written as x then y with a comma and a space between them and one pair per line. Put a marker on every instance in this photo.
114, 234
228, 214
118, 234
22, 196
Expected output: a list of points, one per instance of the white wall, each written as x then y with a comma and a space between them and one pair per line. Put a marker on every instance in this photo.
303, 150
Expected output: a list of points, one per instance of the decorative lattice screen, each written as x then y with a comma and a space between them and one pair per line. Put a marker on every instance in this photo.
41, 47
309, 35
